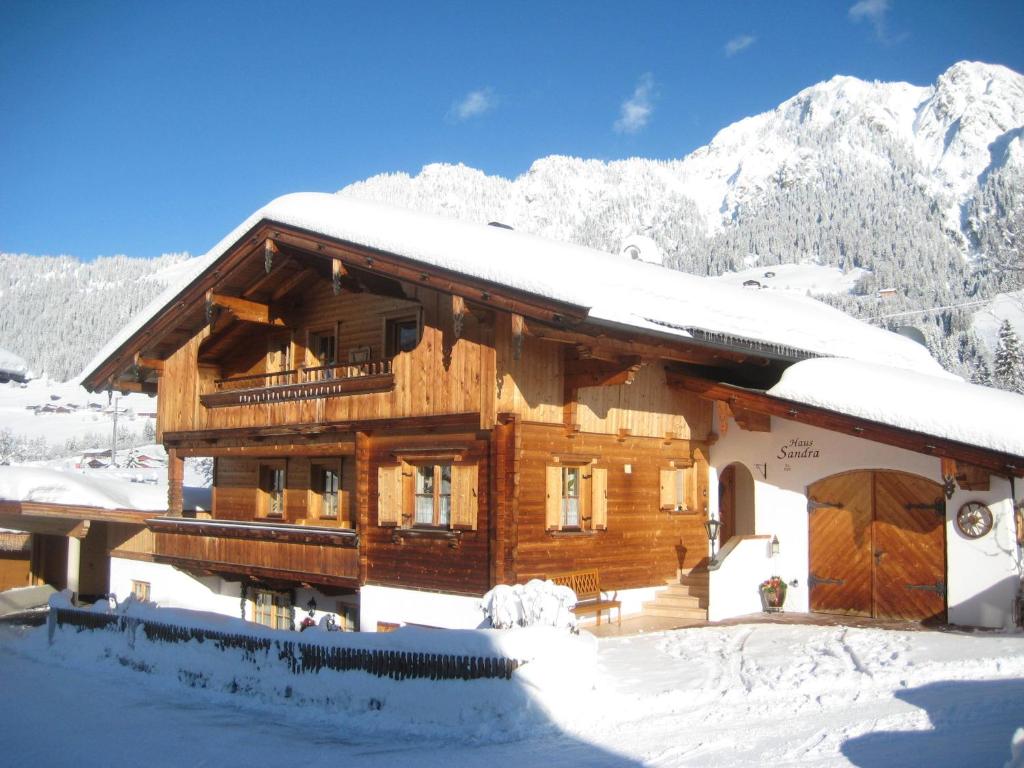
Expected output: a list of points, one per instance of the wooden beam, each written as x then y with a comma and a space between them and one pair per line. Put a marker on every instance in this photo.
242, 309
602, 373
338, 271
293, 282
145, 387
175, 483
458, 314
152, 363
518, 329
270, 251
999, 463
605, 346
752, 421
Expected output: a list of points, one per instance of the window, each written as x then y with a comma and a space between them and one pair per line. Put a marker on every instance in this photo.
272, 609
348, 617
323, 351
577, 497
436, 494
433, 495
325, 489
141, 589
401, 334
271, 495
570, 516
678, 491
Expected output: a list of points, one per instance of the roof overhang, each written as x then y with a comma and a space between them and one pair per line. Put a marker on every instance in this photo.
998, 463
63, 519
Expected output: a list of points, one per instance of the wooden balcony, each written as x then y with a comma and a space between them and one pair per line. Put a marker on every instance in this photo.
268, 551
306, 383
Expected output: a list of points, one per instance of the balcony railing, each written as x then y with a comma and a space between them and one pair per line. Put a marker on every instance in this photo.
320, 555
305, 383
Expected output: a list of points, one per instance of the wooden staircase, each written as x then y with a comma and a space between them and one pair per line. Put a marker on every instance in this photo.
686, 600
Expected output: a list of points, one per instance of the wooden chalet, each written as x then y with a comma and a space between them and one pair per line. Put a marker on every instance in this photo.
397, 427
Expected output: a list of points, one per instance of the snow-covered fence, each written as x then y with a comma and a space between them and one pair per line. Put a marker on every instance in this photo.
296, 656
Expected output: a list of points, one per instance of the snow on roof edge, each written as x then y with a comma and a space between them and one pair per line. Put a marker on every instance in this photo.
611, 287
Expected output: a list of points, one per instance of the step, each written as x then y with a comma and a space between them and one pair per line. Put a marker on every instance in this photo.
688, 601
688, 614
684, 591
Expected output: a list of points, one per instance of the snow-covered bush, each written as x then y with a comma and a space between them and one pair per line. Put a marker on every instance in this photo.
536, 603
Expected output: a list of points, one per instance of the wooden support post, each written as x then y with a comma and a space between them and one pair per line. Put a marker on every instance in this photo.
362, 511
175, 481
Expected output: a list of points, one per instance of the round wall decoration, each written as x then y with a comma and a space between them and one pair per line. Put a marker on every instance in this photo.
974, 519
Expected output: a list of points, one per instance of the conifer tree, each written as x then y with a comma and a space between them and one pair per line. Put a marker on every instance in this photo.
1009, 360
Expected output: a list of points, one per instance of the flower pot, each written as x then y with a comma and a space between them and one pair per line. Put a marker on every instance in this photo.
773, 596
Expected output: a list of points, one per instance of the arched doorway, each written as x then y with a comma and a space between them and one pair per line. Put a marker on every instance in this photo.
877, 546
736, 502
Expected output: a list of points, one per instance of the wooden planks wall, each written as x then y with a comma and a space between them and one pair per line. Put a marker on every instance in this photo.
425, 563
238, 481
642, 546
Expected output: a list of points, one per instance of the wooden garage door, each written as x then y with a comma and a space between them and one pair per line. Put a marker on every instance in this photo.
878, 546
840, 544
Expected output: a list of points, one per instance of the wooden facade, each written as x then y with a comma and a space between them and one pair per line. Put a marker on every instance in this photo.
301, 364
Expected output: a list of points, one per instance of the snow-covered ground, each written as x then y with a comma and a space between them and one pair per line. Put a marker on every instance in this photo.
753, 694
18, 400
797, 278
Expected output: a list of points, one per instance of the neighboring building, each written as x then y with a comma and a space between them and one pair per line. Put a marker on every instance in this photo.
13, 368
404, 411
15, 559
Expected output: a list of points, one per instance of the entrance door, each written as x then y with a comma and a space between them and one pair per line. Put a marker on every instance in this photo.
877, 546
727, 503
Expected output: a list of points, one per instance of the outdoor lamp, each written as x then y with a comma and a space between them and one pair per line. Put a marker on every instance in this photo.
711, 525
775, 545
311, 606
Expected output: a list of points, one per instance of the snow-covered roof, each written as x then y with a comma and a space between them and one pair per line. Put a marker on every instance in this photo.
617, 291
11, 363
947, 408
51, 486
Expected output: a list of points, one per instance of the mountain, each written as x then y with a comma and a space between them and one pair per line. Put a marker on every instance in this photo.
915, 194
922, 187
57, 311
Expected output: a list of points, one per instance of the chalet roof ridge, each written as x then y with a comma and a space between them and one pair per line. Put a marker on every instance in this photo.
613, 289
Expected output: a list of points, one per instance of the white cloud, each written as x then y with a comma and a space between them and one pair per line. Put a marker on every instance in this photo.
636, 110
738, 43
872, 11
473, 104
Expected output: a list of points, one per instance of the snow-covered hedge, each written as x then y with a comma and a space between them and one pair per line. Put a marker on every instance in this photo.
534, 604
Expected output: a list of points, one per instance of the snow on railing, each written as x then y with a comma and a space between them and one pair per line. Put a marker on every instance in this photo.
297, 656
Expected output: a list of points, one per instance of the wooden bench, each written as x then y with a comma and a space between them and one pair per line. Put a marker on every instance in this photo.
588, 593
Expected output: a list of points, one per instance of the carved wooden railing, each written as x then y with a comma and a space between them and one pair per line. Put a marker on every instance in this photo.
304, 383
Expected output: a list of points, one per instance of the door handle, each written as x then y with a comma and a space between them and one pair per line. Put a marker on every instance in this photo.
879, 554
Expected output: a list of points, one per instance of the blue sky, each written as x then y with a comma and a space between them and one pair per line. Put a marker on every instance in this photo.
144, 127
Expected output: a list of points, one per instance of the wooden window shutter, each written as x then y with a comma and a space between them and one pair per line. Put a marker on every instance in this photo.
465, 503
599, 487
668, 489
553, 507
389, 495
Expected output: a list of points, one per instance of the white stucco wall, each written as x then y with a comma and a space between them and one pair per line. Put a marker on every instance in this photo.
175, 589
409, 606
982, 574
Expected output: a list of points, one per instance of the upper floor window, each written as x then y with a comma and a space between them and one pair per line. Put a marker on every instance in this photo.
433, 495
323, 346
401, 334
271, 489
325, 487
